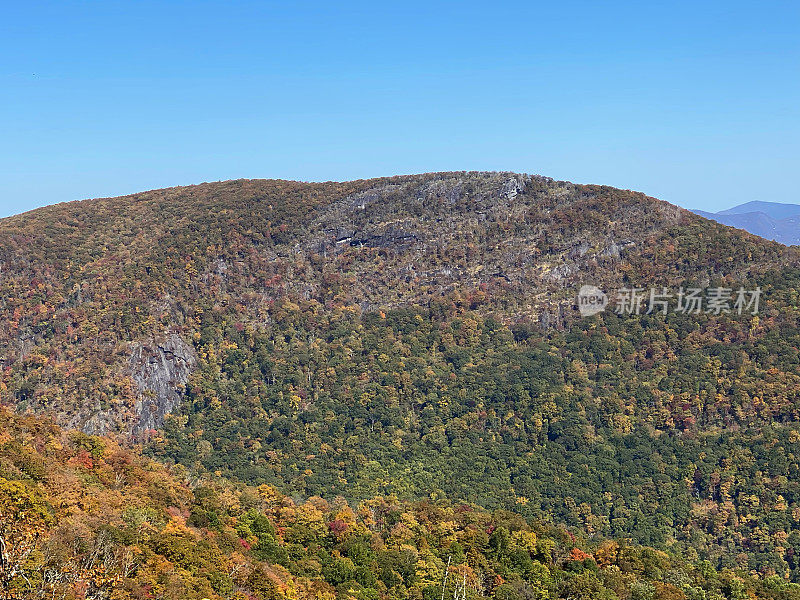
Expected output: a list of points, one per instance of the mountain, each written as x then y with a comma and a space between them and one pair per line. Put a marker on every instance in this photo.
770, 220
775, 210
106, 298
419, 337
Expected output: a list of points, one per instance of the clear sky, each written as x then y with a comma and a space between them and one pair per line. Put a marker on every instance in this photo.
694, 102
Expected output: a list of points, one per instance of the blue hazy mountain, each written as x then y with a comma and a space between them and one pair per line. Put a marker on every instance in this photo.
770, 220
776, 210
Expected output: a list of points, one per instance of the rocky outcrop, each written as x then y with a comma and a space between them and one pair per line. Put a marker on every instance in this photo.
391, 238
515, 185
160, 370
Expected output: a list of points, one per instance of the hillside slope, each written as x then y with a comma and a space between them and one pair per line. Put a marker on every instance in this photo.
419, 336
83, 517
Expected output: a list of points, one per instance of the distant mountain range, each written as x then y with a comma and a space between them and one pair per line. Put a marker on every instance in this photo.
770, 220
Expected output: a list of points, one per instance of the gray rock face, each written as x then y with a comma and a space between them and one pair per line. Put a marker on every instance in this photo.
392, 237
611, 251
160, 370
579, 251
99, 423
513, 186
562, 271
615, 249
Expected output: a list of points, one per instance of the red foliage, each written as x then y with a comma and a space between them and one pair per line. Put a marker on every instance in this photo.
337, 526
579, 555
82, 459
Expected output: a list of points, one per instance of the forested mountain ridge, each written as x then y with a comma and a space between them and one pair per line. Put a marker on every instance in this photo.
83, 282
418, 336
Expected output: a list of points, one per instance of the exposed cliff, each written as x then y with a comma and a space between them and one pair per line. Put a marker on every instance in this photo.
160, 370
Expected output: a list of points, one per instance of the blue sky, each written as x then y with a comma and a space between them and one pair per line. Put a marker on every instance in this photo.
697, 103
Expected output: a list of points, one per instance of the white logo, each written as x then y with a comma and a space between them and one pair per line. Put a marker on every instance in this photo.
591, 300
